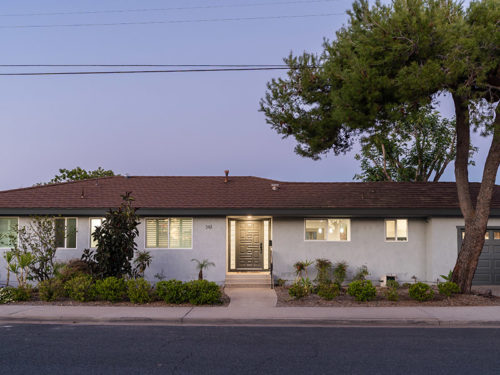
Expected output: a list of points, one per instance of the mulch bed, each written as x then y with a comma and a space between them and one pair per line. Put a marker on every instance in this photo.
67, 302
344, 300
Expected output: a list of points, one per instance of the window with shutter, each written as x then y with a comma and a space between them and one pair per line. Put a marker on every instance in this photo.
157, 233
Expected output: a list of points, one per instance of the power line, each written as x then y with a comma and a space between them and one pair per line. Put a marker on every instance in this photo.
170, 21
139, 10
141, 65
143, 71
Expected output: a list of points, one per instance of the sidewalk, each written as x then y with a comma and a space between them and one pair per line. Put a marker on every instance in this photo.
255, 307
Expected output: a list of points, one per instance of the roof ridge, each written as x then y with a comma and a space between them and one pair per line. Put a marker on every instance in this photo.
47, 185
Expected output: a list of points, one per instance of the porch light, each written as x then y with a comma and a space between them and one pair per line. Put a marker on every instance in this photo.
249, 216
320, 230
341, 230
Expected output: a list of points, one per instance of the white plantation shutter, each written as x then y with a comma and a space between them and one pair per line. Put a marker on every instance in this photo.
6, 227
181, 233
157, 233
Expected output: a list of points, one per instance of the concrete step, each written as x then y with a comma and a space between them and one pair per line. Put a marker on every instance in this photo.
248, 281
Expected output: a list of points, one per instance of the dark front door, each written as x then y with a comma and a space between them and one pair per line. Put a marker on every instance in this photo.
249, 245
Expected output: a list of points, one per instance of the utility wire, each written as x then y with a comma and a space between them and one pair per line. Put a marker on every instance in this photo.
143, 65
143, 71
111, 11
169, 21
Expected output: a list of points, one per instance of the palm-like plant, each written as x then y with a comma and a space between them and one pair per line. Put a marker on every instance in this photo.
202, 265
301, 266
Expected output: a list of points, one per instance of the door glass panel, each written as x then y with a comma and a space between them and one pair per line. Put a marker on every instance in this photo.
496, 235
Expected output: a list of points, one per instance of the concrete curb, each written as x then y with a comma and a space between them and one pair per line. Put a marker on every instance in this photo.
432, 322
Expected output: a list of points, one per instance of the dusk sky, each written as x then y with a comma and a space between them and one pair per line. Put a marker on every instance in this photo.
159, 124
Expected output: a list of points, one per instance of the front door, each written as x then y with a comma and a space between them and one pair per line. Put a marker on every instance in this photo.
249, 245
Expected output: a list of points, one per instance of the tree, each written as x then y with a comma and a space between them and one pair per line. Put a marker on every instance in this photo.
202, 265
389, 58
115, 242
77, 174
418, 147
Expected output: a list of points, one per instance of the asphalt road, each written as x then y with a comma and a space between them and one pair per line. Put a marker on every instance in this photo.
75, 349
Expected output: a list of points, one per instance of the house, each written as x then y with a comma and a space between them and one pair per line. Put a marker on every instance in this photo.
250, 226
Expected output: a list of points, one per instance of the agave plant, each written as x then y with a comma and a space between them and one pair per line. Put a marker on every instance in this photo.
301, 266
202, 265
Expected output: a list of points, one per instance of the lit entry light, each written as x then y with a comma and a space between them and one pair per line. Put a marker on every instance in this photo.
249, 216
320, 230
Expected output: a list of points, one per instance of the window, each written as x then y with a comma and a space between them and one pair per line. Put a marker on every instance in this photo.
328, 229
396, 230
94, 223
65, 233
7, 225
174, 233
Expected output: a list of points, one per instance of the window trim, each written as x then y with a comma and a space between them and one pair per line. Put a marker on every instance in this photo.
66, 234
90, 229
10, 217
168, 232
396, 230
326, 218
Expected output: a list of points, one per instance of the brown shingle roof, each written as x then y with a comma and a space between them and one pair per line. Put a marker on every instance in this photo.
238, 193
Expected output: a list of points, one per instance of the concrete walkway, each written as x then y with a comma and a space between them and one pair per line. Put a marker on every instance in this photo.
255, 307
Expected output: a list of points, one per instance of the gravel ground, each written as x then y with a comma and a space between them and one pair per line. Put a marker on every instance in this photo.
344, 300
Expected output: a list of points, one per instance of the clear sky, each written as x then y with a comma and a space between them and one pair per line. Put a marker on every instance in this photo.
158, 124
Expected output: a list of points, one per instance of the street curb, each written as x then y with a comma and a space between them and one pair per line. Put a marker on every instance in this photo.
432, 322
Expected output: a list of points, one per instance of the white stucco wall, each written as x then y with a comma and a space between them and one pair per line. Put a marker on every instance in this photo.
209, 242
442, 244
366, 247
430, 251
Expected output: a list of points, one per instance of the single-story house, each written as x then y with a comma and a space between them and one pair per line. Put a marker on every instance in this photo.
250, 226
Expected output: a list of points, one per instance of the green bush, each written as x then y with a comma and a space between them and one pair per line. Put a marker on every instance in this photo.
323, 271
172, 291
203, 292
300, 288
392, 290
23, 293
110, 289
339, 273
361, 273
138, 291
73, 268
7, 295
362, 290
421, 292
80, 288
448, 288
328, 291
51, 290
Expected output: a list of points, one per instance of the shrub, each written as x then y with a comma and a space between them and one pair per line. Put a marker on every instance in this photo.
51, 290
300, 288
392, 290
339, 273
328, 291
73, 268
115, 242
203, 292
80, 288
280, 282
323, 271
448, 288
172, 291
110, 289
421, 292
362, 290
7, 295
138, 291
23, 293
361, 273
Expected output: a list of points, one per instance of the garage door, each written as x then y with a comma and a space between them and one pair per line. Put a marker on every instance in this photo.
488, 267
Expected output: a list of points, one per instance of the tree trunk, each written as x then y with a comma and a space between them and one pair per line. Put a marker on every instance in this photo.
476, 218
200, 274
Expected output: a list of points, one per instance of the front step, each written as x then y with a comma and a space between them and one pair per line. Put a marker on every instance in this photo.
249, 280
